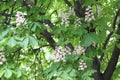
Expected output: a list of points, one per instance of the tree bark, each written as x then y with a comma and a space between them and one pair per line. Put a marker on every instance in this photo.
113, 60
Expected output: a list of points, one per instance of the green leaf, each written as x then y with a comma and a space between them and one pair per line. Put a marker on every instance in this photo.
2, 72
66, 76
11, 42
87, 3
3, 42
19, 73
118, 45
73, 73
89, 39
87, 75
72, 58
5, 33
8, 73
24, 43
33, 42
92, 52
79, 32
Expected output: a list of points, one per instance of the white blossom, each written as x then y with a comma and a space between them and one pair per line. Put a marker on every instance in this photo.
89, 15
2, 58
67, 50
59, 54
82, 65
77, 22
78, 50
65, 18
20, 18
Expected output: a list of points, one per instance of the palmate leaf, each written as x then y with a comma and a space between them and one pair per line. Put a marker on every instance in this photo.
86, 2
3, 42
87, 74
8, 73
24, 43
89, 39
33, 42
11, 42
2, 71
73, 73
79, 32
66, 76
19, 73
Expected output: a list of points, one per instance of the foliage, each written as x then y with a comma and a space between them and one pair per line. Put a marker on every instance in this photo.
32, 32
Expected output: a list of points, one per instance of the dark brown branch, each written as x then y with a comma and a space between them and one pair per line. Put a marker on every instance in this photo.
35, 2
49, 38
96, 66
110, 34
79, 10
24, 3
49, 23
17, 50
68, 3
113, 60
39, 47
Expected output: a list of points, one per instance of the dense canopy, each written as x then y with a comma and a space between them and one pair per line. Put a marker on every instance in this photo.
59, 39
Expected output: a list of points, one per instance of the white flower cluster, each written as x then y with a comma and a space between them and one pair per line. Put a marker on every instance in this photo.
60, 54
65, 16
82, 65
89, 15
2, 58
77, 22
20, 18
78, 50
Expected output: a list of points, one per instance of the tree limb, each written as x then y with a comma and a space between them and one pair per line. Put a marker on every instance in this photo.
113, 60
49, 38
110, 34
68, 3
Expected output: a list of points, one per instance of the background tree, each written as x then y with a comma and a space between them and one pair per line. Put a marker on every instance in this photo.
59, 39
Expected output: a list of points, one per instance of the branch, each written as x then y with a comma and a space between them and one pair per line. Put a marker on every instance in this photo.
68, 3
96, 66
24, 3
110, 34
35, 2
39, 47
49, 38
113, 60
79, 10
49, 23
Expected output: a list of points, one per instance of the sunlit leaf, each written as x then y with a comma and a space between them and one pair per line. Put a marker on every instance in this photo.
8, 73
33, 42
11, 42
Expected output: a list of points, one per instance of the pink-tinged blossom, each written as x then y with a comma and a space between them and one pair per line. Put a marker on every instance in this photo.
20, 18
